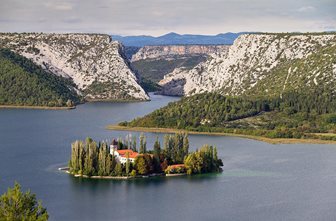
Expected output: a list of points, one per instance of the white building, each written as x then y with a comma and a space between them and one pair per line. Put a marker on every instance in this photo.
121, 155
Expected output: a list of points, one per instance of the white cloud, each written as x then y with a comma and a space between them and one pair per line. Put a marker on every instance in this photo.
306, 9
156, 17
57, 5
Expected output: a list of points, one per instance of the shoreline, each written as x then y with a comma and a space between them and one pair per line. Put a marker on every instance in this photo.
66, 170
5, 106
35, 107
259, 138
115, 101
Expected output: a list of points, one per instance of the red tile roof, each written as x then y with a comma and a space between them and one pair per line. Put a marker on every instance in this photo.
176, 165
131, 153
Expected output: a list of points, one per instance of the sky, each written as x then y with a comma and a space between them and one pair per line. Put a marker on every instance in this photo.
157, 17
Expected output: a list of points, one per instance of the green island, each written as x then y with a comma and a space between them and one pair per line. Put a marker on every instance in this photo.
122, 160
308, 116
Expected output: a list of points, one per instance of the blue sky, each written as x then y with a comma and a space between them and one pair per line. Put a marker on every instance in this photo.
156, 17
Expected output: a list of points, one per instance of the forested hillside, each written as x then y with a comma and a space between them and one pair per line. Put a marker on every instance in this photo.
24, 83
293, 115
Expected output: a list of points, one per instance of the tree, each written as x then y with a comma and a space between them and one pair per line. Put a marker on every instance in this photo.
109, 168
134, 144
91, 157
157, 148
141, 165
128, 164
118, 169
69, 103
74, 162
185, 145
142, 143
120, 144
102, 160
16, 206
203, 161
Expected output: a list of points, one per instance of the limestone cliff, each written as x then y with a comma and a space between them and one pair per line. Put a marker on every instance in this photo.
261, 64
94, 62
152, 52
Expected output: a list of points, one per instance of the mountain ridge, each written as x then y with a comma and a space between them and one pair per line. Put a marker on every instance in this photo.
173, 38
96, 63
251, 59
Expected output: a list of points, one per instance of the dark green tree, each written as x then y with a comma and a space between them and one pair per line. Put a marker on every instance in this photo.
128, 164
142, 143
18, 206
157, 148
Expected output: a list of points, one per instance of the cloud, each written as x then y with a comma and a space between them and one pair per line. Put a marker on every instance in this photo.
57, 5
72, 20
306, 9
156, 17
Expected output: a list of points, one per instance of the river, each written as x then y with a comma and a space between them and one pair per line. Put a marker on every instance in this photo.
260, 181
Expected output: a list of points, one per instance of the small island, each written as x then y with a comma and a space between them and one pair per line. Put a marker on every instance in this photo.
121, 159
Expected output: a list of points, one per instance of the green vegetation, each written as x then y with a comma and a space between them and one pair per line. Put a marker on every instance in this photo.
312, 73
295, 115
17, 206
155, 69
98, 159
203, 161
24, 83
149, 85
108, 91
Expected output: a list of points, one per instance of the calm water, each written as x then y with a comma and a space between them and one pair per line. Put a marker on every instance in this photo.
260, 181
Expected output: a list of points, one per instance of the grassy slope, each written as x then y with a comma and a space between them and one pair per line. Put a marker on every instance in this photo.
22, 83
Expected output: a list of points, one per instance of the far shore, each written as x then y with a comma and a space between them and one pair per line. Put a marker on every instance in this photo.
115, 100
259, 138
70, 108
35, 107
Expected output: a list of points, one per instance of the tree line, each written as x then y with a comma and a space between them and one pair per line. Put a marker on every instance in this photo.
294, 113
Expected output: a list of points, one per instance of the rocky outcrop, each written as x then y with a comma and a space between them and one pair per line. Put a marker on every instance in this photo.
271, 63
155, 52
94, 62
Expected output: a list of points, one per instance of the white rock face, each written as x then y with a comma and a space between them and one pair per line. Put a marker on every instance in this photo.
85, 58
248, 61
152, 52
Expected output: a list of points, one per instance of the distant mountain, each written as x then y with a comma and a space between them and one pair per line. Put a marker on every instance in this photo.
177, 39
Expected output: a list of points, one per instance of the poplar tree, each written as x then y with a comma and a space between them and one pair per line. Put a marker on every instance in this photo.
134, 148
128, 164
102, 159
142, 143
118, 169
74, 162
109, 168
157, 148
81, 156
185, 145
